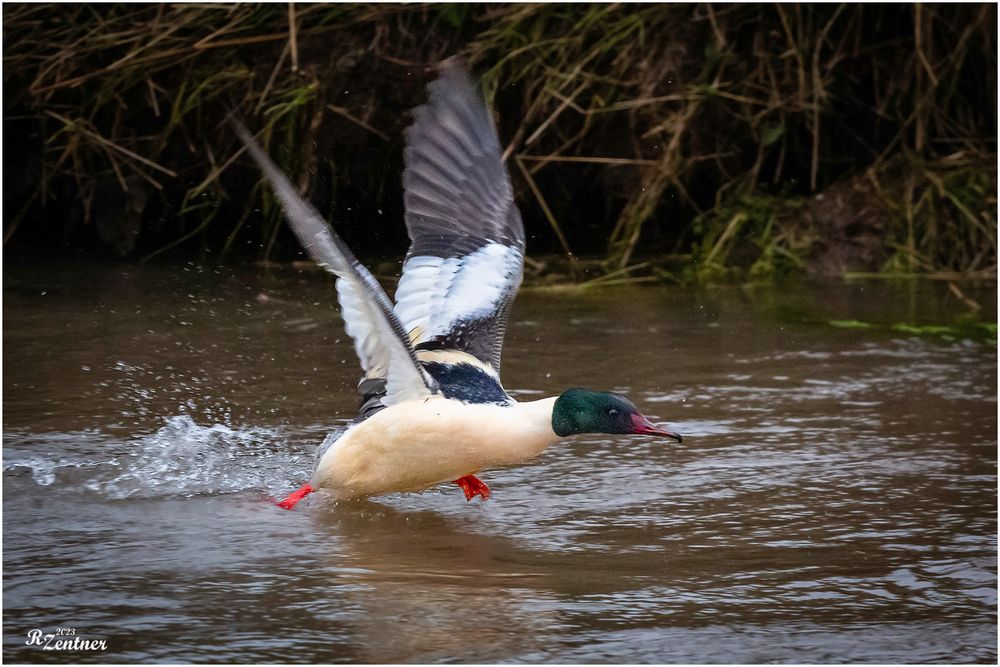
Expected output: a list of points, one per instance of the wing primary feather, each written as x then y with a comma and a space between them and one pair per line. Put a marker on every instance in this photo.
330, 252
466, 254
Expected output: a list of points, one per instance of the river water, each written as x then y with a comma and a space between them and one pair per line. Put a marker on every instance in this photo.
834, 499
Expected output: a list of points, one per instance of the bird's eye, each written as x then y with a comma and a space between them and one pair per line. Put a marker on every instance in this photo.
612, 412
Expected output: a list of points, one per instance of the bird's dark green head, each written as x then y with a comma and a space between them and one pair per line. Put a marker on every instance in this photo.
583, 411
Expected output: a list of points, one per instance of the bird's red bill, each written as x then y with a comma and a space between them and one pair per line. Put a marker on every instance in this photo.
643, 426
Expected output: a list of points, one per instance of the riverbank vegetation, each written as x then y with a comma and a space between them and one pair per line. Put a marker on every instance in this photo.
656, 142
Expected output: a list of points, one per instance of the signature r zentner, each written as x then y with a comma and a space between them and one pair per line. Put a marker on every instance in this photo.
64, 639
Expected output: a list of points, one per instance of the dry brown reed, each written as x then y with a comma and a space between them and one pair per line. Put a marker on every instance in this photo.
634, 131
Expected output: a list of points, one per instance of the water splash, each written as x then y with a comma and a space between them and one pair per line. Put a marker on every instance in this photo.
182, 458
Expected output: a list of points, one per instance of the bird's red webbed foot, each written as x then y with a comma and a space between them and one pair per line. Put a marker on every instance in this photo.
473, 486
293, 498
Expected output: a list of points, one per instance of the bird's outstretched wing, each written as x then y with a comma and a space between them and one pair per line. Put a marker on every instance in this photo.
467, 252
380, 340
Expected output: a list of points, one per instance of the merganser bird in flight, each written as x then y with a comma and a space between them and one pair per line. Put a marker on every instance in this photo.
432, 406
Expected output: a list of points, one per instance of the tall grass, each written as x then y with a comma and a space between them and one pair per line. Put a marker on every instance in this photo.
633, 131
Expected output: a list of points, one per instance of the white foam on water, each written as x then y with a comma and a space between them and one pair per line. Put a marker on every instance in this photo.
182, 458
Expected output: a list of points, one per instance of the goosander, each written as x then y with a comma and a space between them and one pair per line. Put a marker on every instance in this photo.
432, 407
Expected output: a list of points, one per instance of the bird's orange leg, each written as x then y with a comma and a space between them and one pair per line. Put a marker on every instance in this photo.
473, 486
293, 498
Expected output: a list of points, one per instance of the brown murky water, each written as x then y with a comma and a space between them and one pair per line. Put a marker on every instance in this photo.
834, 499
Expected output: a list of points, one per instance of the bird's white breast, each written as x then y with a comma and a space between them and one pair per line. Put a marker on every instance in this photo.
417, 444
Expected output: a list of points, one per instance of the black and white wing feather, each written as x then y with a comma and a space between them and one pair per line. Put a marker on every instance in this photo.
467, 240
380, 340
